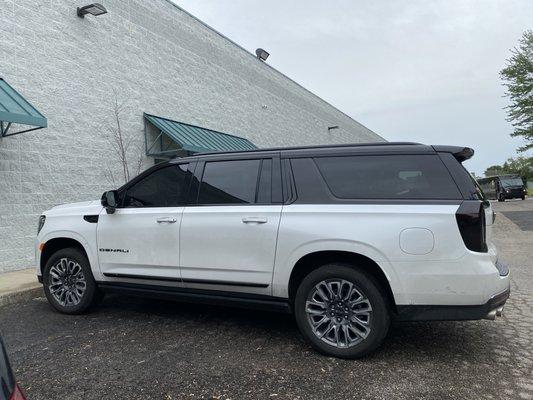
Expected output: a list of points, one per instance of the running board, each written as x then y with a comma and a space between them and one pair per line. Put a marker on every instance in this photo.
213, 297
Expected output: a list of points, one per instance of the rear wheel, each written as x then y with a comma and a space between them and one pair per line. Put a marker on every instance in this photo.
501, 197
341, 311
68, 282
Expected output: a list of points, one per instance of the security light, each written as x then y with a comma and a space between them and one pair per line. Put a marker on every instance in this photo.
262, 54
93, 9
330, 128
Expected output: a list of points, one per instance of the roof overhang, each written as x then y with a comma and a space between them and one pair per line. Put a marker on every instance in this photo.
15, 109
190, 138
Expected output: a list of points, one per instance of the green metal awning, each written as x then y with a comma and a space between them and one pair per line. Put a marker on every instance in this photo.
190, 138
15, 109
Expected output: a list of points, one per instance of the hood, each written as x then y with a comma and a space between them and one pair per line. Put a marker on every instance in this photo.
78, 204
82, 207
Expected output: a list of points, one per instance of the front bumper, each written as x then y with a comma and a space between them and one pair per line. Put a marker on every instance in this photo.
514, 194
490, 310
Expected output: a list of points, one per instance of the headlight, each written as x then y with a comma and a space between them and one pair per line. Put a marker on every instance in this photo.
42, 219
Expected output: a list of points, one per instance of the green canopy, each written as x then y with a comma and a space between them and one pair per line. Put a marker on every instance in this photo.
194, 139
15, 109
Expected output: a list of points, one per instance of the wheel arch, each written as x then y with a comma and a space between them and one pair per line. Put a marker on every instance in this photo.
314, 260
58, 243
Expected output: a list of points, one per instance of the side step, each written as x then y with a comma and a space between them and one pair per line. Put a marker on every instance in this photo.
213, 297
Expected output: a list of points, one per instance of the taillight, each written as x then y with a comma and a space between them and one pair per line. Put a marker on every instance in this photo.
471, 221
17, 394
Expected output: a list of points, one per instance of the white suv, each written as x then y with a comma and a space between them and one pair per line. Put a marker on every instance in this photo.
345, 237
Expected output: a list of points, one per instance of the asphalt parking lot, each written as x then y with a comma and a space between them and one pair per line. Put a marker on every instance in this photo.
142, 349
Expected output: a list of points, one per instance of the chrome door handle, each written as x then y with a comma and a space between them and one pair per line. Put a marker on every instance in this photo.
254, 220
166, 220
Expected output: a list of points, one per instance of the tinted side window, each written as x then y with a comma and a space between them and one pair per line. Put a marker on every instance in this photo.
165, 187
229, 182
467, 184
388, 177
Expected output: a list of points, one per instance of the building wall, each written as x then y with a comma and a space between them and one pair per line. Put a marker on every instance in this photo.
152, 57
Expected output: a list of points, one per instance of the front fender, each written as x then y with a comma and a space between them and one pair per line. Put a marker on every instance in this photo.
88, 244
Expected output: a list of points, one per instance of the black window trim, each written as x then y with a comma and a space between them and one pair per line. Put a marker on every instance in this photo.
277, 180
257, 179
290, 195
259, 175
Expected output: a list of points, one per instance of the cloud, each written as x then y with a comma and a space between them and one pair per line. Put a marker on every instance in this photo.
410, 70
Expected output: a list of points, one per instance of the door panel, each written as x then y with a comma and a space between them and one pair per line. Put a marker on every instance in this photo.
231, 244
142, 242
141, 239
228, 241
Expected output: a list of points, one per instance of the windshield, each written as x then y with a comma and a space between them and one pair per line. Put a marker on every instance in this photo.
507, 182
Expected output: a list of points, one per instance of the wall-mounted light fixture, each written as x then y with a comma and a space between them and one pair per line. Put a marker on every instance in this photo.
93, 9
330, 128
262, 54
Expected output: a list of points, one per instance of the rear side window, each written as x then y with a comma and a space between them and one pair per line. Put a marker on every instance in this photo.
388, 177
229, 182
165, 187
467, 184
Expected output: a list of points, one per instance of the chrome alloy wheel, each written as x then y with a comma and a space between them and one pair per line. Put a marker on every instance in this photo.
67, 282
339, 313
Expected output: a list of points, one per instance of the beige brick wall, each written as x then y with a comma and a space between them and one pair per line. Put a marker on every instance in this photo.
159, 60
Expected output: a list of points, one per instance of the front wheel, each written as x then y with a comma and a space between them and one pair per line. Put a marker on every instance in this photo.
68, 282
341, 311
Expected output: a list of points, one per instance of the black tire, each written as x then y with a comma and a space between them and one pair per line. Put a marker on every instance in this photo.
523, 197
90, 297
501, 198
366, 285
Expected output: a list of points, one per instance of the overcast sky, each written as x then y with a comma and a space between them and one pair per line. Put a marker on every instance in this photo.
425, 71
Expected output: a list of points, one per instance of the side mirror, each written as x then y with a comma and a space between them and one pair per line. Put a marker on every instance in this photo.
109, 201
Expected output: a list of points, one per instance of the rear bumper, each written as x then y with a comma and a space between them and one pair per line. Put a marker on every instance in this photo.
489, 310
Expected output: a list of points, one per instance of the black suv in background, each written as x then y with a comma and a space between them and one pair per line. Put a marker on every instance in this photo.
503, 187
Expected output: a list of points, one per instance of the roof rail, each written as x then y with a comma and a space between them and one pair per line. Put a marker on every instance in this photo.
323, 146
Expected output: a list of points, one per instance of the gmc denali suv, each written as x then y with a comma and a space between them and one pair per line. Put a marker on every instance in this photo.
345, 237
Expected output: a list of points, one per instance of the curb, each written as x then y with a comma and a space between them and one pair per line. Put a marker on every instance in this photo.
19, 296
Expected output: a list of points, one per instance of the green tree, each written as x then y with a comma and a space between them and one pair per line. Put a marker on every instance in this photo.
518, 81
494, 170
522, 166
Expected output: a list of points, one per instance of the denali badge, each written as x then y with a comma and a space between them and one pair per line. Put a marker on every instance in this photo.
114, 250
